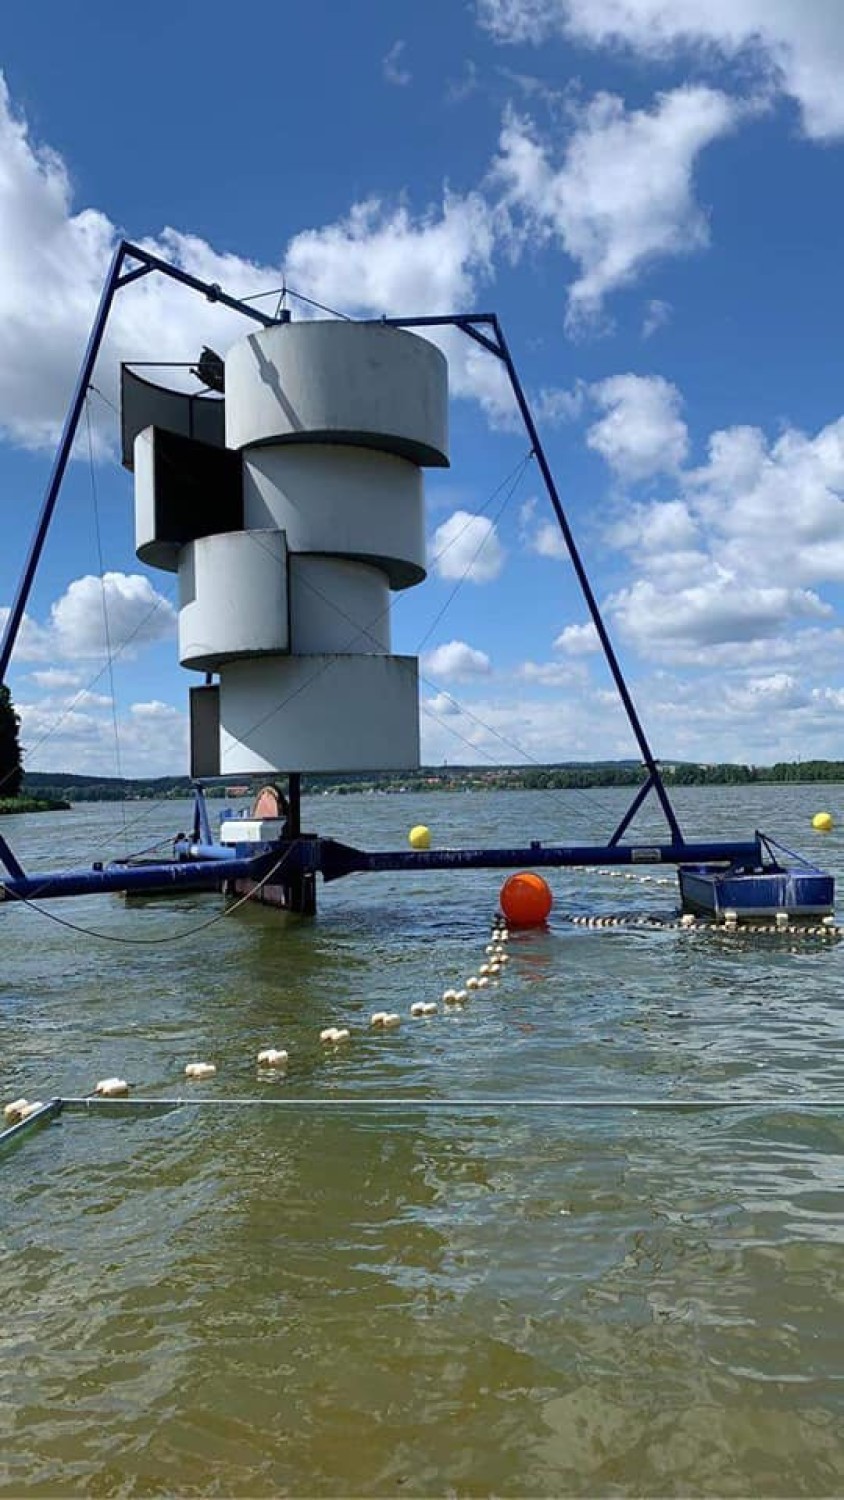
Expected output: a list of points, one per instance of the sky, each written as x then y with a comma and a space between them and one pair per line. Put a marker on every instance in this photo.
647, 192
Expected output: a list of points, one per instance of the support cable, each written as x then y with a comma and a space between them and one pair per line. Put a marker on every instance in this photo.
176, 937
106, 629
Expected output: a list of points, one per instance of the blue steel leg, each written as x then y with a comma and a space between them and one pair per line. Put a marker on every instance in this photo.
83, 380
13, 865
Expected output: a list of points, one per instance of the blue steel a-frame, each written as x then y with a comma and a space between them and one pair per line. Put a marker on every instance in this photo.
294, 861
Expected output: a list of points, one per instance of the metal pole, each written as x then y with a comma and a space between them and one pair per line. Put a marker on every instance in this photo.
209, 289
591, 601
466, 323
294, 804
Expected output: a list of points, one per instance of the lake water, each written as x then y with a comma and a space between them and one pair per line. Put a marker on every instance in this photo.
418, 1297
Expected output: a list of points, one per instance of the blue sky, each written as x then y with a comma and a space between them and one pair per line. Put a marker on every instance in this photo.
649, 195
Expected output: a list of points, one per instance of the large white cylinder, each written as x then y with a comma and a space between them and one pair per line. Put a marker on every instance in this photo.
342, 500
320, 713
337, 607
340, 382
232, 598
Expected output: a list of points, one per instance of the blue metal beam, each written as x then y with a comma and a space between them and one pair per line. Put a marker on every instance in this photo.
174, 876
51, 495
335, 859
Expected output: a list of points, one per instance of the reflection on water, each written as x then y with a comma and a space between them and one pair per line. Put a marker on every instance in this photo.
414, 1299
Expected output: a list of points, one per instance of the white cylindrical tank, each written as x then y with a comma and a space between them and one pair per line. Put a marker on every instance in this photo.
348, 501
342, 382
327, 427
232, 598
338, 607
322, 713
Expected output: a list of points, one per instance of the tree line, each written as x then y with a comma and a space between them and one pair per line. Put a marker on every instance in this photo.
76, 788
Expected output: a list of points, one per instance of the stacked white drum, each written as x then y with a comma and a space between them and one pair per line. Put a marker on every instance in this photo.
334, 422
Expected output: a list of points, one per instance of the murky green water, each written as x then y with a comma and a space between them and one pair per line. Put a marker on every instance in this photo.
423, 1299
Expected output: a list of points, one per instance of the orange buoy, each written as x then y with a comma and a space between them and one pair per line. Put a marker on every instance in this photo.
525, 899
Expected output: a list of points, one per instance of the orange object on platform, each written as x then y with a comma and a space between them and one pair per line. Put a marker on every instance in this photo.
525, 899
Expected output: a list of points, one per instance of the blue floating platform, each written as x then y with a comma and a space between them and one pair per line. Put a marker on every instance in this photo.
752, 895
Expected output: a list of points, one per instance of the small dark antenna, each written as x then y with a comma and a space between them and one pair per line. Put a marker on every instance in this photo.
211, 370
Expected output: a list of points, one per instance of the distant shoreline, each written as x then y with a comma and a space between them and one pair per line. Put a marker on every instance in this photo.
45, 790
10, 805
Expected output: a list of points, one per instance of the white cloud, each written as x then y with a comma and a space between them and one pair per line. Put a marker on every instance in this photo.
52, 266
554, 405
683, 623
578, 640
380, 260
657, 314
444, 705
551, 673
521, 20
664, 539
456, 660
152, 738
798, 45
463, 87
84, 698
155, 712
552, 726
34, 643
726, 570
777, 510
136, 615
543, 537
547, 541
771, 694
467, 546
621, 195
642, 432
392, 68
53, 261
56, 677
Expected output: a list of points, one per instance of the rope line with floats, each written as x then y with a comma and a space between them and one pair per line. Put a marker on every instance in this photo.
112, 1096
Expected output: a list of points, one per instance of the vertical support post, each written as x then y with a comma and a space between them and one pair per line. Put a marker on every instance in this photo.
294, 804
201, 822
299, 889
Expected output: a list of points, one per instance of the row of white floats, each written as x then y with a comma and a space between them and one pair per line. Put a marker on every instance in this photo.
330, 1036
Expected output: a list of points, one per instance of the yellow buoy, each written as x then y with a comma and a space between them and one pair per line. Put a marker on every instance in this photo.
420, 837
822, 821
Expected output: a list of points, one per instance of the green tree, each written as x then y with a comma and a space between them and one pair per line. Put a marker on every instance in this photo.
11, 773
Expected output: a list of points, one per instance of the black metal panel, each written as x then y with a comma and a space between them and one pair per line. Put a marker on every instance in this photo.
197, 491
204, 731
145, 404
